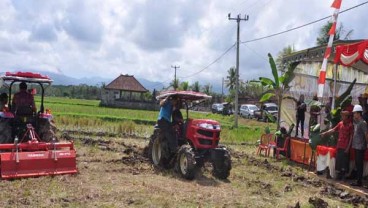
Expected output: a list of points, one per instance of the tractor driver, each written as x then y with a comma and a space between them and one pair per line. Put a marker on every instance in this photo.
177, 120
23, 101
164, 121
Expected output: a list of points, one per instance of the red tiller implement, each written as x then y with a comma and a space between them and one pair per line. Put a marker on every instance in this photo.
34, 158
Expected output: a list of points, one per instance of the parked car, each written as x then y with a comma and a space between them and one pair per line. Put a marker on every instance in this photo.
267, 112
222, 108
247, 110
217, 108
227, 109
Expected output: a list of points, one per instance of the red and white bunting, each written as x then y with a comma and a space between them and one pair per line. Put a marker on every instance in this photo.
322, 74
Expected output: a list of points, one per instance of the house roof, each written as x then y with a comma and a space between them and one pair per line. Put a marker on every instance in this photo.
126, 83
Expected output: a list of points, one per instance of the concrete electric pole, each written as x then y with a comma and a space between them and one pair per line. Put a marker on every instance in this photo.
238, 18
175, 67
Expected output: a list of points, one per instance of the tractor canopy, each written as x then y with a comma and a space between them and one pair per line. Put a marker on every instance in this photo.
185, 95
9, 78
25, 77
189, 98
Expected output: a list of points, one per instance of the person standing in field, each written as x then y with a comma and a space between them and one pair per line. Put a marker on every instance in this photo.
345, 129
164, 121
301, 107
359, 143
315, 111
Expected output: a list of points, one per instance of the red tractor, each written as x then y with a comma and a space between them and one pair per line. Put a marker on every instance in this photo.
28, 146
198, 142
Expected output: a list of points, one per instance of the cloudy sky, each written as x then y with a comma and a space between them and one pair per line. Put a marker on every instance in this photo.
145, 38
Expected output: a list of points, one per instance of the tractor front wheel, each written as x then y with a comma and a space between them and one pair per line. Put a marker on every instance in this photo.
186, 163
221, 163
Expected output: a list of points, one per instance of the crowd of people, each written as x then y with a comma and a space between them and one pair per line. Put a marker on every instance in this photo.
352, 136
352, 133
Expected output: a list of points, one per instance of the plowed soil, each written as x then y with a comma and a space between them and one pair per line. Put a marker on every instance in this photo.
115, 172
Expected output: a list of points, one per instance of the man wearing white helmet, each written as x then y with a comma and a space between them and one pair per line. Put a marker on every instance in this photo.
359, 143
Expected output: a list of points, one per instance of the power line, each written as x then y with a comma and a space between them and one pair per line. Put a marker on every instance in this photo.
213, 62
295, 28
204, 68
261, 38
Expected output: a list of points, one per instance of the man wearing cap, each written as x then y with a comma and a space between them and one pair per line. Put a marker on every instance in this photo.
359, 143
346, 130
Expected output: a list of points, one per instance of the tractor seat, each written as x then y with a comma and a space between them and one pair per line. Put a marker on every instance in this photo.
24, 111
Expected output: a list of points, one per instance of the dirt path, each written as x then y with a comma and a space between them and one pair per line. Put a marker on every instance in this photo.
113, 172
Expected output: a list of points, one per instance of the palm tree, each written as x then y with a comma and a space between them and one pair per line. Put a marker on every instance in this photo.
232, 78
323, 36
279, 85
184, 86
284, 52
207, 89
196, 87
175, 84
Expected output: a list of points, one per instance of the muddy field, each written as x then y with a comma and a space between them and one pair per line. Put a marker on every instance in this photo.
115, 172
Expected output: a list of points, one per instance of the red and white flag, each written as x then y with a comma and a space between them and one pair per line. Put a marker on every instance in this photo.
322, 74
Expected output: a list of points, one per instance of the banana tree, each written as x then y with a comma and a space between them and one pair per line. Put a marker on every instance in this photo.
279, 85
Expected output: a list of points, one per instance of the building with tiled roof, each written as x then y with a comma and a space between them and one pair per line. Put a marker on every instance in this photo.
125, 91
127, 83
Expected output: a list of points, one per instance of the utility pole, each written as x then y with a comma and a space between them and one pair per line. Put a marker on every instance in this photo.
175, 67
238, 18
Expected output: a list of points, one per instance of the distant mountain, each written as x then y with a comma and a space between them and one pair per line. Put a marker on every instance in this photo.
61, 79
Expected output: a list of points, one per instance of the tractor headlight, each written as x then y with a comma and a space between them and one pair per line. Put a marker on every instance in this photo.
209, 126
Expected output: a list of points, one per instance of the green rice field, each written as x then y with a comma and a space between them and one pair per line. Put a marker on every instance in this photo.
88, 116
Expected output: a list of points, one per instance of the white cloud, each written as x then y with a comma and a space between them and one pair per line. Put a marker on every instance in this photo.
144, 38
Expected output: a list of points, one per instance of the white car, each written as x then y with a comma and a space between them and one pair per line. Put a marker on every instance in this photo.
247, 110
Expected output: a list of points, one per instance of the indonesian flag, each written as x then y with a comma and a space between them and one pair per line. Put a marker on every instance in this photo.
336, 4
322, 74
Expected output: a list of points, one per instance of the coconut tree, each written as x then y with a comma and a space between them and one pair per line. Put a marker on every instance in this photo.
323, 35
284, 52
207, 89
279, 85
232, 78
184, 86
175, 83
196, 87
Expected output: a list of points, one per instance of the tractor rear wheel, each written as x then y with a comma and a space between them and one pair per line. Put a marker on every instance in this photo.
186, 163
5, 132
47, 130
221, 163
158, 153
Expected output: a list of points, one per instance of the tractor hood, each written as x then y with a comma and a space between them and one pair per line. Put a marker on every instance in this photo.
206, 123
